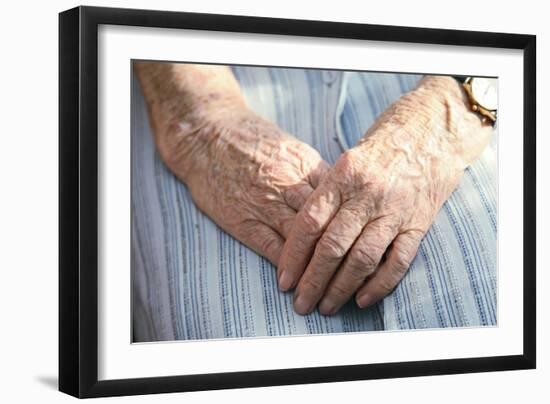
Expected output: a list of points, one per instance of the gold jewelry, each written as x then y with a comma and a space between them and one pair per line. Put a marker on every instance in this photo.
483, 95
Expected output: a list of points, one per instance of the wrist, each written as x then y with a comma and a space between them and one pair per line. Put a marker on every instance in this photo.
429, 130
435, 120
462, 132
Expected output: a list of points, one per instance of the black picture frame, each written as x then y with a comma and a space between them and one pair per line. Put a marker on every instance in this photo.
78, 200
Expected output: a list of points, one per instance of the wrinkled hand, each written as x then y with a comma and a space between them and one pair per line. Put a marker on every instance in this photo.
244, 172
366, 219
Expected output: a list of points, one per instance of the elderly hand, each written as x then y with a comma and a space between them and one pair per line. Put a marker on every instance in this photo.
360, 229
244, 172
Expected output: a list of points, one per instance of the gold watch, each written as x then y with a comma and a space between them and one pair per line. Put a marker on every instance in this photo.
483, 95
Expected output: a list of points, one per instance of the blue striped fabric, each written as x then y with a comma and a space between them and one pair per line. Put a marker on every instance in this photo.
452, 281
193, 281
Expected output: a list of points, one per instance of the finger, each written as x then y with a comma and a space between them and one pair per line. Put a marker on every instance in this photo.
330, 251
361, 261
262, 239
308, 226
281, 219
297, 195
382, 283
318, 173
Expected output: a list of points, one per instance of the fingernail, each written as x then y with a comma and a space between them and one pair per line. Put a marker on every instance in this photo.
364, 301
328, 307
301, 305
285, 281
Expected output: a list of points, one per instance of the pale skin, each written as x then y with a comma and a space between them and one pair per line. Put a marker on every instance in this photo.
361, 228
334, 233
244, 172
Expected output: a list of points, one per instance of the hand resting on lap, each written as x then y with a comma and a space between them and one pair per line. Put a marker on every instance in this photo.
244, 172
351, 230
361, 228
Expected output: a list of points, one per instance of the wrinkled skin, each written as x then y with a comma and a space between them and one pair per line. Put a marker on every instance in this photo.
244, 172
361, 228
251, 178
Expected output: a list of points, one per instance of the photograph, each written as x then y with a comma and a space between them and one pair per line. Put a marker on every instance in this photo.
272, 201
250, 201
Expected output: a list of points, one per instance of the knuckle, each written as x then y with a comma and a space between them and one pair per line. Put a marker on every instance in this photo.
340, 289
295, 197
311, 283
368, 259
245, 229
358, 272
329, 246
387, 286
402, 262
268, 244
398, 270
297, 248
311, 222
346, 160
345, 168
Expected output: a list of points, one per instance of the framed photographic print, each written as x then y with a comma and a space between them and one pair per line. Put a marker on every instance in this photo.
249, 201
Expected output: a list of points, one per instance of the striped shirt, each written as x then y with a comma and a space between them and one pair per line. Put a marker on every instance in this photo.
191, 280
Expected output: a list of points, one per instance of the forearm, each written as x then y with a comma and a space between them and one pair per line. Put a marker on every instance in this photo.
186, 102
436, 118
181, 89
427, 138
